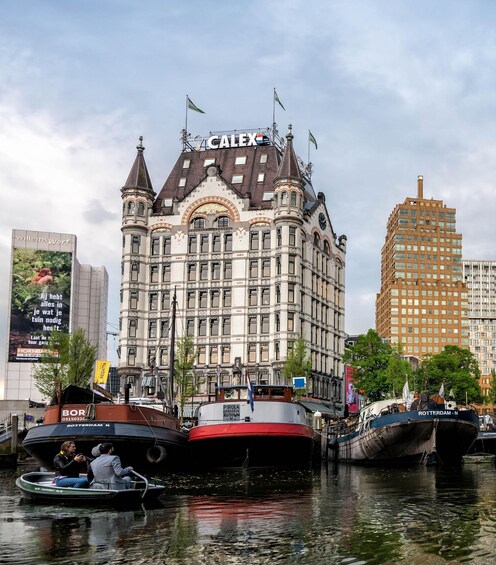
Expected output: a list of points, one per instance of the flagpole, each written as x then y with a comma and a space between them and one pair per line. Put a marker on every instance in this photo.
309, 146
274, 116
186, 123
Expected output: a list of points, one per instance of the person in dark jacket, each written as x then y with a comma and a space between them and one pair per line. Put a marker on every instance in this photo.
68, 466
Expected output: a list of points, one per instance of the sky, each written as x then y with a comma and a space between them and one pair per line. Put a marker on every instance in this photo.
390, 90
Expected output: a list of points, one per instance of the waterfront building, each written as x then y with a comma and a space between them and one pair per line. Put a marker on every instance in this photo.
480, 278
422, 303
238, 233
49, 291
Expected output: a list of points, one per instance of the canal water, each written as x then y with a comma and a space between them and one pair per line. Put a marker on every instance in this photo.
331, 515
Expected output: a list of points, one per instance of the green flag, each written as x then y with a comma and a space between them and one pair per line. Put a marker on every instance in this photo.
312, 138
276, 98
192, 106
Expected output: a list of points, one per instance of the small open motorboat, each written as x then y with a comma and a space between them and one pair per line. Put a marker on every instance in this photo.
479, 459
39, 487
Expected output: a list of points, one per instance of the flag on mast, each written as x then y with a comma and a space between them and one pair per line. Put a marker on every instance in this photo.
441, 391
276, 98
312, 138
194, 107
406, 391
249, 386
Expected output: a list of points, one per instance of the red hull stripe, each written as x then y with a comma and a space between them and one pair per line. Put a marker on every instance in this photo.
252, 429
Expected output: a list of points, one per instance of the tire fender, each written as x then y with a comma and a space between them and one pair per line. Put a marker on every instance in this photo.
156, 454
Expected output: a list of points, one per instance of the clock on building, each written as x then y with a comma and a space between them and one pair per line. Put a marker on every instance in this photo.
322, 221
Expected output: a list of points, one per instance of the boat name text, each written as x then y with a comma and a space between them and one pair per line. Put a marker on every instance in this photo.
438, 412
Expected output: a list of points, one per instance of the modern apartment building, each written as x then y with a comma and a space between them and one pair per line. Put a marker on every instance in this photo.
238, 233
422, 303
480, 278
49, 290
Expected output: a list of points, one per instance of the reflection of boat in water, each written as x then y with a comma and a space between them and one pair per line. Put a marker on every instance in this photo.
387, 432
142, 435
269, 429
39, 487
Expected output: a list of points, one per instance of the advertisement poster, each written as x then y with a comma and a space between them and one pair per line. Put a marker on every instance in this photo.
41, 292
351, 392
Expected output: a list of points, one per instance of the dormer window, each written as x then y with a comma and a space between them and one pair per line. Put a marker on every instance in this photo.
186, 163
263, 158
240, 160
209, 162
267, 196
237, 179
261, 177
182, 181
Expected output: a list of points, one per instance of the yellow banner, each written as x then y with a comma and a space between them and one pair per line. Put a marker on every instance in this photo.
101, 372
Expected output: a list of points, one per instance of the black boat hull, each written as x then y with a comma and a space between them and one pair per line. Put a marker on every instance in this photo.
140, 446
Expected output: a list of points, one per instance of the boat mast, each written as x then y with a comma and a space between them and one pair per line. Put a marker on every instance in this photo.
172, 350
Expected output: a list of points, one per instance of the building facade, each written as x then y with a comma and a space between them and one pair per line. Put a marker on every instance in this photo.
422, 303
480, 278
49, 291
238, 233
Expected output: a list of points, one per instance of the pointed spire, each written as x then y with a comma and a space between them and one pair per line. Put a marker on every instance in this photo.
289, 165
139, 177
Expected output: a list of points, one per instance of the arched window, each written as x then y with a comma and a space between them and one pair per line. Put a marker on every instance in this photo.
223, 222
327, 248
316, 239
130, 208
141, 209
198, 223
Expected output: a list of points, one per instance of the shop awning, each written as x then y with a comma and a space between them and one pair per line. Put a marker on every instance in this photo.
326, 409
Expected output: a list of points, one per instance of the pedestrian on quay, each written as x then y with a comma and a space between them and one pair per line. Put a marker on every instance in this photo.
108, 471
68, 466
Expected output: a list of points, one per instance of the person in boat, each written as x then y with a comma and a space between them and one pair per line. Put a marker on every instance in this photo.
68, 466
107, 469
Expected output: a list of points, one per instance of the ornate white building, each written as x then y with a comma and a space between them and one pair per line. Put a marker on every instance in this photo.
238, 232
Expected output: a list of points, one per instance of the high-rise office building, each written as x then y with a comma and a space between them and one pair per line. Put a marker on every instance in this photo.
422, 303
49, 291
238, 233
480, 278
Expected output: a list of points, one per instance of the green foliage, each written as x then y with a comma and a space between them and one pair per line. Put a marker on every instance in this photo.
491, 393
374, 370
297, 363
457, 369
186, 382
69, 359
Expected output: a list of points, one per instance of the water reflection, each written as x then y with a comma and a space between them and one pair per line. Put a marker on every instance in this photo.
333, 515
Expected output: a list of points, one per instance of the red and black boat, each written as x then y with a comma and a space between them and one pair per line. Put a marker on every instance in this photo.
143, 435
252, 426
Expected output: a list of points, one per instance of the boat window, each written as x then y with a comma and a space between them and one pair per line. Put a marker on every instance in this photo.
243, 394
230, 393
277, 392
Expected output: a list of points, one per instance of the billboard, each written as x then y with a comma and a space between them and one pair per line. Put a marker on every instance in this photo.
40, 301
351, 392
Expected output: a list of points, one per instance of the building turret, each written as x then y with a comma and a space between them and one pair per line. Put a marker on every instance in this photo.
289, 186
137, 195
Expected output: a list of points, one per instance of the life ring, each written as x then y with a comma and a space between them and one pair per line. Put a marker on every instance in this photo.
156, 454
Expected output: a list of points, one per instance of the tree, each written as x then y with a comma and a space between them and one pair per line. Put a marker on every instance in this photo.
457, 369
370, 358
69, 359
297, 363
491, 393
184, 377
398, 371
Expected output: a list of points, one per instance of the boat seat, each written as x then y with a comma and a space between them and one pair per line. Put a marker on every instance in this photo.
112, 486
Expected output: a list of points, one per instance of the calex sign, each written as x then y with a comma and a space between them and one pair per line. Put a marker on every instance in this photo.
236, 140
